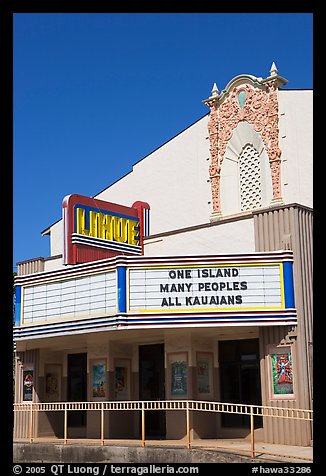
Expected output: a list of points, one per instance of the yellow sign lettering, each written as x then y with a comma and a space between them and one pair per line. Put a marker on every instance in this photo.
93, 224
80, 225
134, 234
107, 227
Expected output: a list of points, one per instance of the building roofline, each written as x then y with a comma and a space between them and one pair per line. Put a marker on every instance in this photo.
47, 230
152, 152
228, 219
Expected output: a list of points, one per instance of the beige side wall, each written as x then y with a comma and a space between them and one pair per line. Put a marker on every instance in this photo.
290, 228
28, 360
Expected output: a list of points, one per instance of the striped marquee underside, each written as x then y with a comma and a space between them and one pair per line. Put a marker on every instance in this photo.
110, 245
120, 322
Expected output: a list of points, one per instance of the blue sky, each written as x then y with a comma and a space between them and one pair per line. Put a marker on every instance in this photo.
96, 92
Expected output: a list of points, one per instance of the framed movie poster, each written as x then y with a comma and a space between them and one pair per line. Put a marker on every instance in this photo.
178, 375
98, 379
52, 373
282, 373
28, 384
204, 374
122, 379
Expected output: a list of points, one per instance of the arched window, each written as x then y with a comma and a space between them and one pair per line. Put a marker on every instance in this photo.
250, 179
246, 182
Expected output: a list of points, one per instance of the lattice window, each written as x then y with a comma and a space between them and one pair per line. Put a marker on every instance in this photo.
250, 179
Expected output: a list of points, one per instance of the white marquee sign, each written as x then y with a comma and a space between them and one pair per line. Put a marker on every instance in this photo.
227, 287
70, 298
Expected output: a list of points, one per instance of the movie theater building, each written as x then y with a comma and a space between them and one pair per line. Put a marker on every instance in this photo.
190, 278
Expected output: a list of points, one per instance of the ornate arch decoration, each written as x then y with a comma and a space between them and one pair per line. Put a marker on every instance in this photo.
251, 99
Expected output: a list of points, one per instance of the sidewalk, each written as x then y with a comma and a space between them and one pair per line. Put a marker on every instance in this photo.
240, 446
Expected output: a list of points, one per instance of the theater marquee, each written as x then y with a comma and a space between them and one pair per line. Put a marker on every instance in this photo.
137, 292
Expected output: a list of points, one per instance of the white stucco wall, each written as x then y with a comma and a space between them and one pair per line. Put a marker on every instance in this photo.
174, 179
296, 143
232, 237
53, 264
56, 238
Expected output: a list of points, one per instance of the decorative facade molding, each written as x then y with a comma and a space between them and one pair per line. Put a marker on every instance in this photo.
290, 337
215, 165
245, 99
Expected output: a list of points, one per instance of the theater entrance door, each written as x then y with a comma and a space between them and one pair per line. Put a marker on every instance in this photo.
152, 387
240, 378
